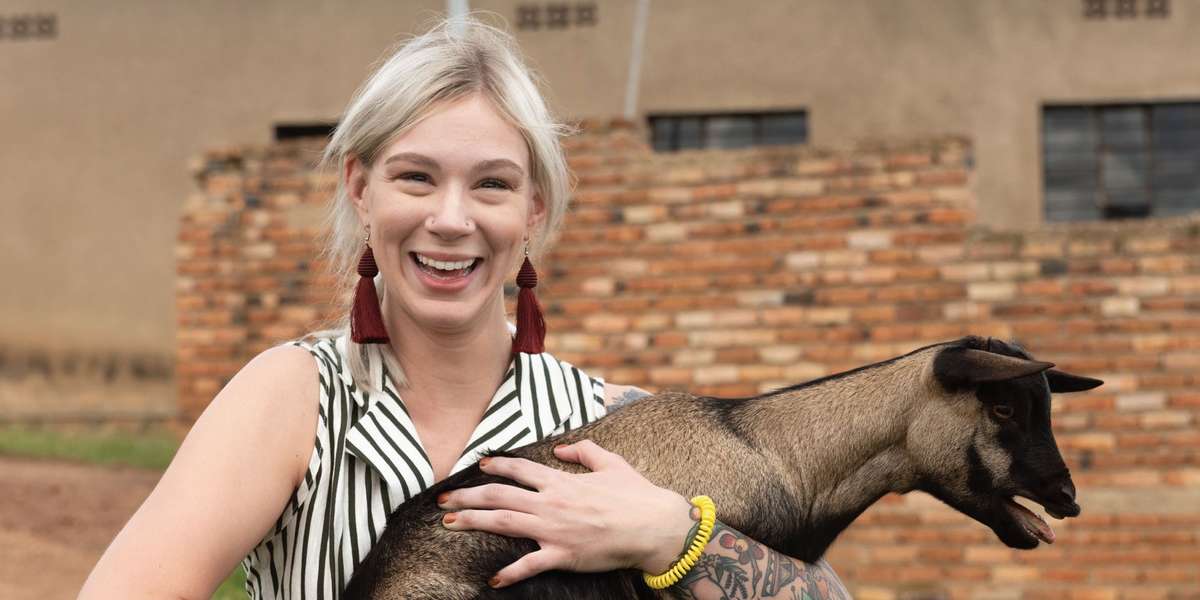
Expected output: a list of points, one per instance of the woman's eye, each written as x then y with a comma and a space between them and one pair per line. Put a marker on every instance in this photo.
414, 176
494, 183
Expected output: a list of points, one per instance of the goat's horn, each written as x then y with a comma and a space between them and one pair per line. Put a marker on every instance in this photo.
958, 368
1062, 382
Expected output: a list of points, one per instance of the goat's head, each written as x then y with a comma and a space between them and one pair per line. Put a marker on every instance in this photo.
984, 437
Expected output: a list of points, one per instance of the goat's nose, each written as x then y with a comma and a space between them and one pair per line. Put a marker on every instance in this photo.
1060, 500
1068, 491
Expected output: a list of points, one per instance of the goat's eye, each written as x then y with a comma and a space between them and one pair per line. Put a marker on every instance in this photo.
1003, 411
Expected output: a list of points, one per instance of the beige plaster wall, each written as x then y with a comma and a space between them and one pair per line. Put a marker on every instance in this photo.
99, 123
875, 68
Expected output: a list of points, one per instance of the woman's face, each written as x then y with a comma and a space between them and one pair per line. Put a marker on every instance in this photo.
449, 205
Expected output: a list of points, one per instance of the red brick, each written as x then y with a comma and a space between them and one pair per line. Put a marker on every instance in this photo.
936, 178
876, 314
966, 573
669, 340
1093, 593
1182, 574
1064, 574
1145, 593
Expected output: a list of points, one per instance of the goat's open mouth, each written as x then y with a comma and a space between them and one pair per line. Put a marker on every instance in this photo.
1033, 525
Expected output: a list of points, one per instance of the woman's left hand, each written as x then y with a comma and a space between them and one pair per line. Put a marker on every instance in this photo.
611, 518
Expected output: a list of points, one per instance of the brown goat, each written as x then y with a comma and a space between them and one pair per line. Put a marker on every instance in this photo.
967, 421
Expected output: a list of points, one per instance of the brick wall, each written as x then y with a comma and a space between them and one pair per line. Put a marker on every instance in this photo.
735, 272
249, 275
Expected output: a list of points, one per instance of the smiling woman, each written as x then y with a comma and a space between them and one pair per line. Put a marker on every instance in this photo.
501, 150
449, 211
450, 174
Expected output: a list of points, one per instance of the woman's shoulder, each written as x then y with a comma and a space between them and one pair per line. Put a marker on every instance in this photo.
283, 369
318, 357
273, 401
281, 374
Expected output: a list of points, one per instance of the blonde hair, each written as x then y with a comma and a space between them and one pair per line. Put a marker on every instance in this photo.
455, 58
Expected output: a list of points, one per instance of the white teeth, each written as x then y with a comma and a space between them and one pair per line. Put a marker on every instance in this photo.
444, 265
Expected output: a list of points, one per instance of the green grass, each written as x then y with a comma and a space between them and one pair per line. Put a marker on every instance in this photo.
233, 588
147, 451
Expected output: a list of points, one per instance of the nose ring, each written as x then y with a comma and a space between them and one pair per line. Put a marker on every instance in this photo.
432, 220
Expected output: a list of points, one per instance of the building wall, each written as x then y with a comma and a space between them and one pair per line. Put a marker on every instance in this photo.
104, 122
108, 113
737, 272
871, 69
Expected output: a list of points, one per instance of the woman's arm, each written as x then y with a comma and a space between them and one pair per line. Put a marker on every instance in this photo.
582, 522
616, 396
735, 566
224, 489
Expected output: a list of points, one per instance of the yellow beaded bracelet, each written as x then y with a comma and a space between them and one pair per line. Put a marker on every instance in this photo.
708, 516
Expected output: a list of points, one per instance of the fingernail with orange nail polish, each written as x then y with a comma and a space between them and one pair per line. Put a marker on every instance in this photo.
449, 518
494, 582
443, 497
484, 461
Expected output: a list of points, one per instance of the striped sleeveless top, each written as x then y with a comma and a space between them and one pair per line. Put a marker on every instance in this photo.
368, 459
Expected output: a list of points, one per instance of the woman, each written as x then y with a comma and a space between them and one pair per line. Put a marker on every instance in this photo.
450, 170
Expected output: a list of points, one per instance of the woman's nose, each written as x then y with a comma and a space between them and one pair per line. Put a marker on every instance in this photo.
450, 218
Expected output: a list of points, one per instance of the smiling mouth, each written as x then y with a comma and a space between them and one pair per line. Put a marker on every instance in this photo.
445, 269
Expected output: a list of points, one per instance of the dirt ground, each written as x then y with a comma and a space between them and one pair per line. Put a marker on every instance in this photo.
56, 519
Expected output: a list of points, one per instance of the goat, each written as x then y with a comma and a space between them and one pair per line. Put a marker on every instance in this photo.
967, 421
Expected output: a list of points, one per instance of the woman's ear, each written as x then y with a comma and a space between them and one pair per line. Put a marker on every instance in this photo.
537, 212
354, 178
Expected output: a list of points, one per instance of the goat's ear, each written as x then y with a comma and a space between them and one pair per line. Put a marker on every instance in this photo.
958, 368
1062, 382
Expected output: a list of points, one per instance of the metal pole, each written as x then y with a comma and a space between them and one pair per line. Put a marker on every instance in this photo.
455, 11
641, 12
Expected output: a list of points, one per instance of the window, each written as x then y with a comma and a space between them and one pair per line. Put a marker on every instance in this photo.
28, 27
736, 130
1120, 161
556, 15
291, 131
1126, 9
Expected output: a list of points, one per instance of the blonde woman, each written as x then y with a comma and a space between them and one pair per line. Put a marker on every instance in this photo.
450, 172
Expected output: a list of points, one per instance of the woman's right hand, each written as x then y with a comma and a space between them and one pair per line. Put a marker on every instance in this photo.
225, 488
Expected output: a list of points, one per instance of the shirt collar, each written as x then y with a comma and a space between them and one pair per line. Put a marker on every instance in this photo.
533, 401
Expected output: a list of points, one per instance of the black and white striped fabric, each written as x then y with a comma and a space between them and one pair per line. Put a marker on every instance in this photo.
368, 459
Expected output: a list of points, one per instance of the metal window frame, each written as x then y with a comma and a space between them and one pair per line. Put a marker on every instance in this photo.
706, 141
1095, 110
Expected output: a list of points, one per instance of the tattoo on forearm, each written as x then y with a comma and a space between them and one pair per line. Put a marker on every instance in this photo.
739, 568
687, 541
723, 571
630, 395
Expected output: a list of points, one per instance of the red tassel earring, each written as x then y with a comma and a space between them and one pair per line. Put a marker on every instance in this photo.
366, 320
531, 327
